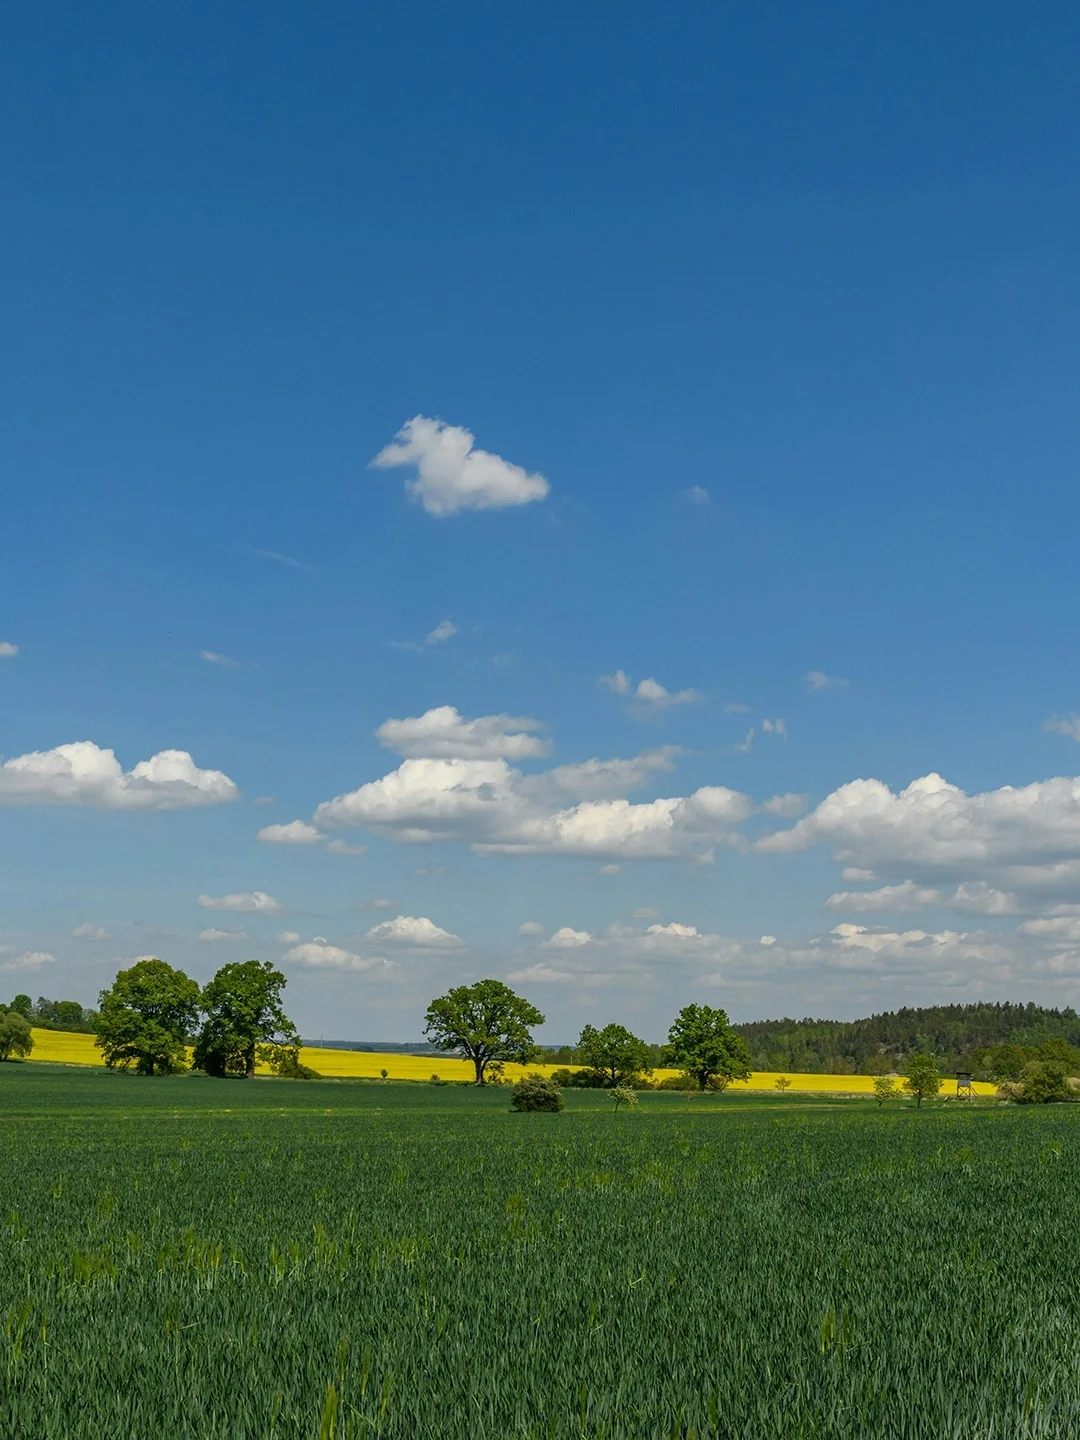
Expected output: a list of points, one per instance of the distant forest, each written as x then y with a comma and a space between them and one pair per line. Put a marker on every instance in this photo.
956, 1035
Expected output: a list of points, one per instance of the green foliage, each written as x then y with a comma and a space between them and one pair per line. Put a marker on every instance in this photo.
702, 1042
23, 1006
54, 1014
536, 1092
613, 1053
884, 1088
146, 1018
487, 1022
15, 1037
783, 1083
388, 1262
624, 1095
923, 1080
685, 1081
243, 1010
284, 1060
1044, 1082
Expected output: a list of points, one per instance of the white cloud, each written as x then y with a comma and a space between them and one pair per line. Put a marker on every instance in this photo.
540, 974
212, 936
87, 931
673, 930
818, 680
445, 630
452, 475
1014, 838
342, 847
416, 932
854, 876
977, 898
288, 937
29, 960
254, 902
697, 495
566, 938
287, 560
83, 774
651, 696
774, 727
767, 940
319, 955
745, 745
895, 898
609, 870
212, 657
442, 733
787, 806
296, 832
8, 650
531, 927
1064, 725
618, 684
1057, 929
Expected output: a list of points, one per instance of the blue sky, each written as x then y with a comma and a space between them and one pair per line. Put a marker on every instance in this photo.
770, 320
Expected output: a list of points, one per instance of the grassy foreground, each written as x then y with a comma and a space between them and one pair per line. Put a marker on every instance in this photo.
221, 1260
74, 1049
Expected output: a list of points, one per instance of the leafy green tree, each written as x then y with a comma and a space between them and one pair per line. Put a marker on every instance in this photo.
702, 1042
243, 1010
487, 1022
536, 1092
15, 1037
1044, 1082
1063, 1053
22, 1006
623, 1095
146, 1018
923, 1080
783, 1083
884, 1088
614, 1053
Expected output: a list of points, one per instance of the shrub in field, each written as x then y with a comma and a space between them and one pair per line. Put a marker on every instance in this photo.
1044, 1082
623, 1095
923, 1080
147, 1017
15, 1037
685, 1081
783, 1083
487, 1022
536, 1092
884, 1088
284, 1060
243, 1010
702, 1042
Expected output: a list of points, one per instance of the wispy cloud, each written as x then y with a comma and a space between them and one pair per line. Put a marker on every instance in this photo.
214, 657
8, 650
287, 560
817, 680
445, 630
697, 495
1064, 725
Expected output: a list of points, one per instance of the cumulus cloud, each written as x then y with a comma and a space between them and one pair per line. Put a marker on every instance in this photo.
445, 630
541, 974
318, 954
84, 774
1064, 725
817, 680
212, 936
87, 931
787, 806
906, 896
1011, 839
442, 733
296, 832
531, 927
8, 650
254, 902
774, 727
618, 684
213, 657
28, 961
415, 932
651, 697
452, 475
566, 938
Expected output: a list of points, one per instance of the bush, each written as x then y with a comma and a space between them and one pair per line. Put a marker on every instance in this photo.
1044, 1082
678, 1082
536, 1092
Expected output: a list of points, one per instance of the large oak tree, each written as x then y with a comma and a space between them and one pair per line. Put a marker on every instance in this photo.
487, 1022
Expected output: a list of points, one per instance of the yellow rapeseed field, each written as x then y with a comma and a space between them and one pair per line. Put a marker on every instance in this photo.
71, 1049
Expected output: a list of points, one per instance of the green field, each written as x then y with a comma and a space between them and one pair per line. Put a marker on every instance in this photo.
198, 1258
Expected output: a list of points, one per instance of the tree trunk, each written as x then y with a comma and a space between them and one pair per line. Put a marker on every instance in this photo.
249, 1070
479, 1065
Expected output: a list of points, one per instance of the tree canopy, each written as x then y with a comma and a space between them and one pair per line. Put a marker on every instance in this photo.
614, 1053
146, 1018
487, 1022
243, 1011
15, 1037
923, 1080
701, 1041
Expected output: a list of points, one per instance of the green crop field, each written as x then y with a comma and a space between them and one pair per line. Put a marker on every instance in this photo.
230, 1260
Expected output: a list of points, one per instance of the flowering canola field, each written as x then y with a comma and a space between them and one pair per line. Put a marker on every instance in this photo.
72, 1049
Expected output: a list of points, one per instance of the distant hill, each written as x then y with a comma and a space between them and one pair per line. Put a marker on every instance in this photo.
950, 1032
376, 1047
